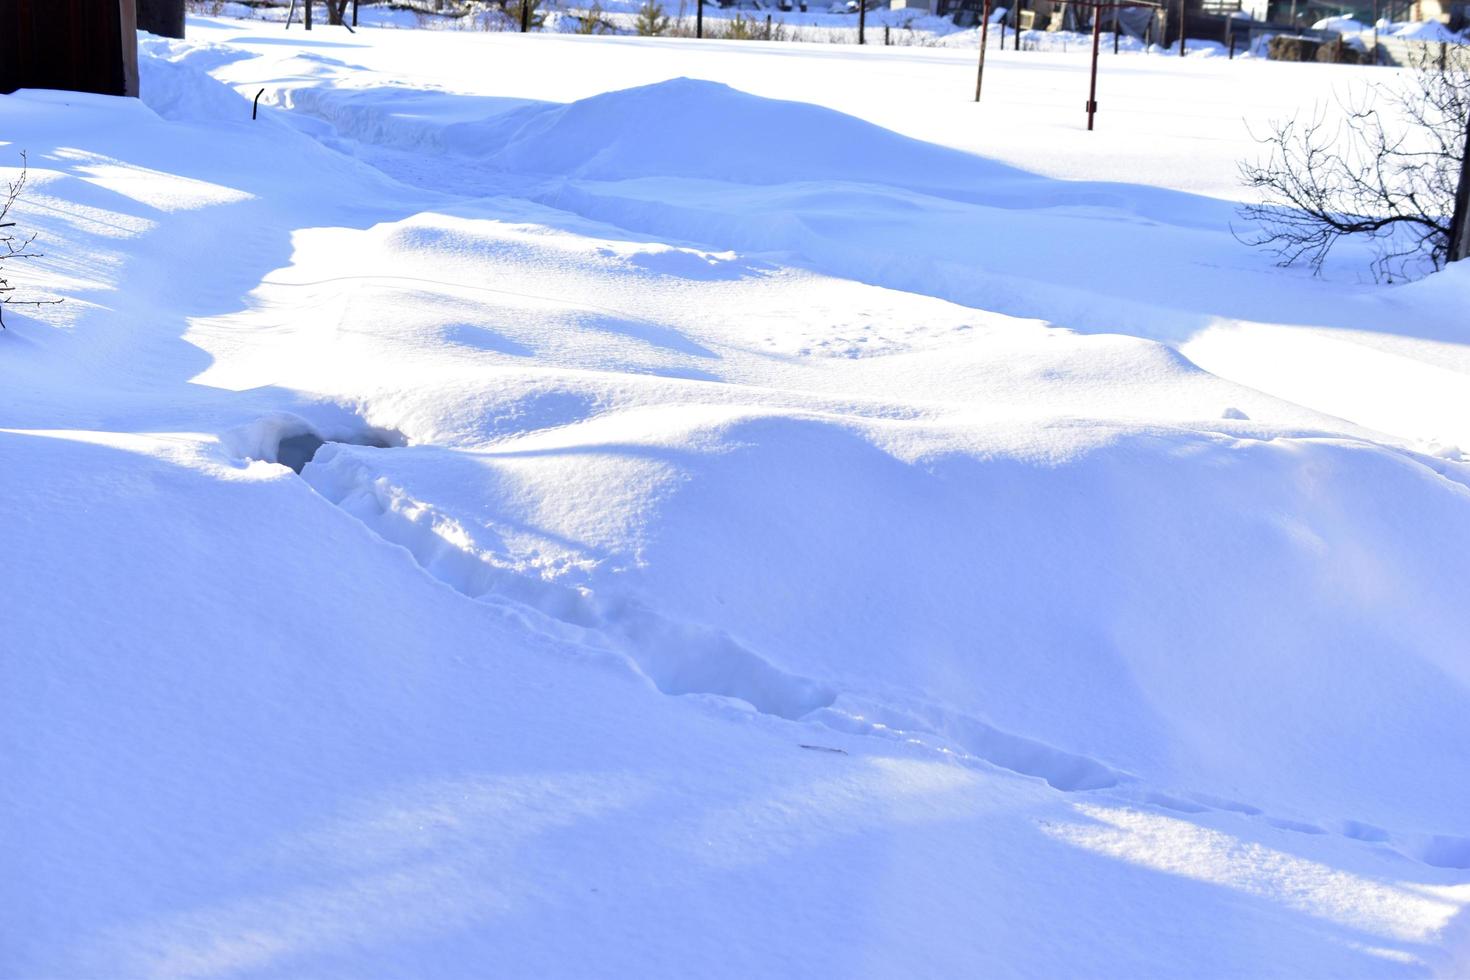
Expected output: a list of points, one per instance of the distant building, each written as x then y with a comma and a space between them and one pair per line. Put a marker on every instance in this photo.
80, 45
1059, 15
1454, 14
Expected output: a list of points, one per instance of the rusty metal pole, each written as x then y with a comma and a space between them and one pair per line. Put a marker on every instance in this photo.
1096, 39
984, 29
1460, 224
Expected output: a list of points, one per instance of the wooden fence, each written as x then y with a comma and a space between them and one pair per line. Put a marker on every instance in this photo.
1409, 54
81, 45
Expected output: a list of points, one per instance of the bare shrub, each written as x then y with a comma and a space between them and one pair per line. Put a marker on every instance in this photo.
742, 28
1384, 172
594, 21
15, 245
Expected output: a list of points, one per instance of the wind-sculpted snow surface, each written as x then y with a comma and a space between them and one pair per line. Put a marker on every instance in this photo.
1123, 603
708, 131
450, 531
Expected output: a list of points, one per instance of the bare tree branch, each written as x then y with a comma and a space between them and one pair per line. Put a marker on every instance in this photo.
14, 246
1388, 178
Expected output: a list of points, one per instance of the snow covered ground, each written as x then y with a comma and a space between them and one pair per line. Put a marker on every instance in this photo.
758, 512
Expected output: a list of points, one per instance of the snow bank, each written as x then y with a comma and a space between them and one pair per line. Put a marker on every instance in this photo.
1429, 30
663, 586
1342, 25
979, 559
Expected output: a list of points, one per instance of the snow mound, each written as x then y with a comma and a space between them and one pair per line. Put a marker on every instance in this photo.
971, 596
688, 127
563, 547
1342, 25
1447, 288
1429, 30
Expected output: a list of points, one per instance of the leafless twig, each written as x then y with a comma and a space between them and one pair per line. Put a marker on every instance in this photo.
1385, 171
14, 245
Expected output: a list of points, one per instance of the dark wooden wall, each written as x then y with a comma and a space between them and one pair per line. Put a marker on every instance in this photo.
81, 45
162, 17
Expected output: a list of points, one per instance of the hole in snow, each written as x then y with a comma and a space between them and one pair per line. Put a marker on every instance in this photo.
298, 450
1442, 851
293, 441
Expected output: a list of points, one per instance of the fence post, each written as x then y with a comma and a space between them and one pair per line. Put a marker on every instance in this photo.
984, 29
1097, 15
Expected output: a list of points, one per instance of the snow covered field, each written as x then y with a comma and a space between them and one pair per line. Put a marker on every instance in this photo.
758, 513
908, 27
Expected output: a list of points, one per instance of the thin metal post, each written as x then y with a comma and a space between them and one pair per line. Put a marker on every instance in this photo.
699, 18
307, 19
1096, 40
1116, 30
862, 21
525, 16
1181, 28
354, 13
984, 32
1016, 25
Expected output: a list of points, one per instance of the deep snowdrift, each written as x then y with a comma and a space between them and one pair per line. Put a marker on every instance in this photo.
669, 592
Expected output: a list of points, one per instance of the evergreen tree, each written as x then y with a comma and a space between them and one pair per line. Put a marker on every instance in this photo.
652, 21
